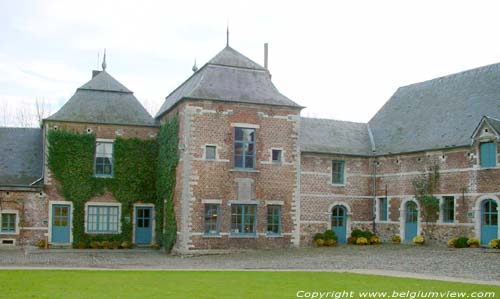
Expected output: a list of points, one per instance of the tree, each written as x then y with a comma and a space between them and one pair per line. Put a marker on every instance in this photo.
424, 187
42, 110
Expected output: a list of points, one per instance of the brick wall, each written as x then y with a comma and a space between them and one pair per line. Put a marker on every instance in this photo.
208, 122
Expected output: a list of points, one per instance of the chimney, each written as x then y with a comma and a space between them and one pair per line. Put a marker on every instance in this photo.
266, 46
95, 73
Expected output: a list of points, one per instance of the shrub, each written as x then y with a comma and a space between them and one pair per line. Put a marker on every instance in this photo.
318, 236
115, 245
41, 244
106, 244
461, 242
494, 243
330, 234
419, 240
396, 239
125, 244
357, 233
452, 242
81, 245
473, 242
319, 242
330, 242
155, 246
95, 244
367, 234
374, 240
362, 241
352, 240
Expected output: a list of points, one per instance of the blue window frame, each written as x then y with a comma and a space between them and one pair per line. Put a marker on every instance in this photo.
8, 223
274, 220
448, 209
337, 172
103, 159
211, 224
243, 219
244, 148
488, 154
102, 219
382, 206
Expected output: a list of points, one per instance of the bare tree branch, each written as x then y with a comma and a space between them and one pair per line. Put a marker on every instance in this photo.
42, 110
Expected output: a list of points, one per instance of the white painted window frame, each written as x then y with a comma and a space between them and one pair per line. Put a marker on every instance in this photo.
104, 204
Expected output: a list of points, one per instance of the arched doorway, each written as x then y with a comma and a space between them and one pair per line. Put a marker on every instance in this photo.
339, 222
489, 221
411, 220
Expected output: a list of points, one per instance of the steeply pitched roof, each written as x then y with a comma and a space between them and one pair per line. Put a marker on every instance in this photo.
495, 123
21, 161
231, 77
104, 100
439, 113
334, 136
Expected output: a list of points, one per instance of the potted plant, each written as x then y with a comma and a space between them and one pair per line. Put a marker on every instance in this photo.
330, 237
452, 242
125, 245
81, 245
115, 245
374, 240
494, 243
361, 241
396, 239
419, 240
42, 244
473, 242
155, 246
95, 245
319, 239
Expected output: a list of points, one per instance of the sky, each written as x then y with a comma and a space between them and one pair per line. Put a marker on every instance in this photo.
339, 59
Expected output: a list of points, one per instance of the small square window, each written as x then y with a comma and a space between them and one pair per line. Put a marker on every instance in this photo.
276, 155
210, 152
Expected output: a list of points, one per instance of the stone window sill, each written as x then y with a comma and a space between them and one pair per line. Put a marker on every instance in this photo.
244, 170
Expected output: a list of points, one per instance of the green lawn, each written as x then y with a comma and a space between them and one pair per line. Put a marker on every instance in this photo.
200, 284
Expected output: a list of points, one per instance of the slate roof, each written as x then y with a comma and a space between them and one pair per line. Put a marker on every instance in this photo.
21, 159
334, 136
495, 123
104, 100
231, 77
438, 113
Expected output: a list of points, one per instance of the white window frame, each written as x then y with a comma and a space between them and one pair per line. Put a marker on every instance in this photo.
104, 204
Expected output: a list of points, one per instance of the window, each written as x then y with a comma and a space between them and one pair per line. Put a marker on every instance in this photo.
448, 208
488, 154
104, 159
243, 219
337, 172
8, 223
276, 155
210, 152
102, 219
382, 209
211, 219
273, 220
244, 148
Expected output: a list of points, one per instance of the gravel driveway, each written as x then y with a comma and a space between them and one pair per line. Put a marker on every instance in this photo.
478, 264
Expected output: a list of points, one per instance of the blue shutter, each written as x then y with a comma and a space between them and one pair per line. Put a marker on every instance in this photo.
487, 154
384, 209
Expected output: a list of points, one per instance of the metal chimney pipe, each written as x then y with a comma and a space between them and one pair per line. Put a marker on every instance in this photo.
266, 47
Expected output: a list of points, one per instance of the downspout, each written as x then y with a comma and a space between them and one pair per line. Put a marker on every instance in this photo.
374, 179
43, 155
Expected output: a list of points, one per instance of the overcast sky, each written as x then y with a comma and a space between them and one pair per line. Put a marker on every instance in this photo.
340, 59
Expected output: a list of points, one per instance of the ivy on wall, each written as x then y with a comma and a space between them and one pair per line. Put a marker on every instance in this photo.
167, 163
71, 160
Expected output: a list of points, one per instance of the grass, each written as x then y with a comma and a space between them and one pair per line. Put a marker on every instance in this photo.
204, 284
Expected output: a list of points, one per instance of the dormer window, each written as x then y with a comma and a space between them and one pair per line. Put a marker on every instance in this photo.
104, 159
488, 154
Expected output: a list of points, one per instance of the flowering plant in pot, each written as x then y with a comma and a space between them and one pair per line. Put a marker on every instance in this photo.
419, 240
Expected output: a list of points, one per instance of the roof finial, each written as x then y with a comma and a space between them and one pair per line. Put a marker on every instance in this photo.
227, 33
195, 68
104, 65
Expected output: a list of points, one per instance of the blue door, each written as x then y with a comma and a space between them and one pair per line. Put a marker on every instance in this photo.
61, 223
339, 221
143, 225
411, 222
489, 221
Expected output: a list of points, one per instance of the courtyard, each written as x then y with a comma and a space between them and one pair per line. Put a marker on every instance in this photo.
478, 265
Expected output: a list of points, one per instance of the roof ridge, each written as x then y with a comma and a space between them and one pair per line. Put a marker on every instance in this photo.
331, 119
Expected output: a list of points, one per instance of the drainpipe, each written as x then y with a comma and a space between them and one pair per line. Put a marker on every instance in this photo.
374, 210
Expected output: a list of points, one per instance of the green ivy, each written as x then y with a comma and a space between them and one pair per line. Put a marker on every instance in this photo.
71, 160
167, 164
